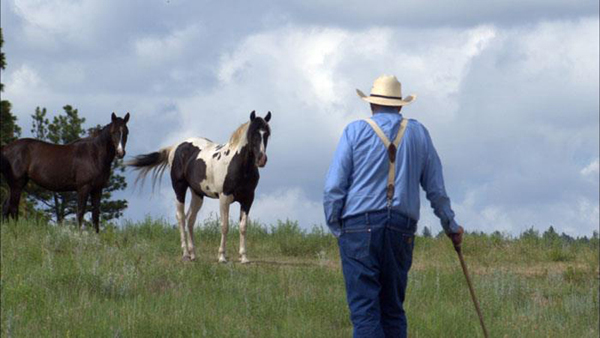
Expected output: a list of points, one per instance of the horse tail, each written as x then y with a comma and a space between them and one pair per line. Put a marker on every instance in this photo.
5, 167
156, 162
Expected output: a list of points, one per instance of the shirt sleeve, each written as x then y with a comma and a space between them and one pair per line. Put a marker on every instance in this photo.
337, 183
432, 181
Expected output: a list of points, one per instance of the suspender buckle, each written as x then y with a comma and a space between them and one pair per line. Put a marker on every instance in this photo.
390, 193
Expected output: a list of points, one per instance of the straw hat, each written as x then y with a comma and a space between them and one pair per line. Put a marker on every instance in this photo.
387, 91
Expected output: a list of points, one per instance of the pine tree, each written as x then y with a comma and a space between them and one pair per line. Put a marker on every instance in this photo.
550, 236
426, 232
9, 130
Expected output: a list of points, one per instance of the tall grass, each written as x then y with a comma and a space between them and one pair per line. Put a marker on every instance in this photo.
130, 281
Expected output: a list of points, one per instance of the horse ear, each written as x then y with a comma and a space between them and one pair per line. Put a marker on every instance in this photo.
126, 117
268, 117
252, 115
113, 117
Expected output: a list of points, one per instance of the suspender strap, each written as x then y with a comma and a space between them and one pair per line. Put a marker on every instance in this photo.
392, 148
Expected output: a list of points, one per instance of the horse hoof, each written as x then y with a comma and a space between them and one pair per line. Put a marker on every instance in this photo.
222, 259
186, 258
244, 260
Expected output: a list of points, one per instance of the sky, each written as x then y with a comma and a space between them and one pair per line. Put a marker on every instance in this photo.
507, 89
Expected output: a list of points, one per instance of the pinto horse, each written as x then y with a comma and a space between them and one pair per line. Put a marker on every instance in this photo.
228, 172
82, 166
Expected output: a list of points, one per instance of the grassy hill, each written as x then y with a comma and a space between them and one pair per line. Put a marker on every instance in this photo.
57, 281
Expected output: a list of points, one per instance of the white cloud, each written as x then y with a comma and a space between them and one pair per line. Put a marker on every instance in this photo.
291, 203
23, 80
24, 85
159, 49
592, 169
71, 73
46, 22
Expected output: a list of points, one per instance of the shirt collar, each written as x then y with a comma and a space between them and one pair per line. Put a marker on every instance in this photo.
388, 114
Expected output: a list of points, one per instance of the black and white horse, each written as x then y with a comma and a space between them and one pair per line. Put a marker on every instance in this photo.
227, 171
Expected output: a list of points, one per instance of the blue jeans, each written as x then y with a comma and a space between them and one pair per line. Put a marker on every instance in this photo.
376, 251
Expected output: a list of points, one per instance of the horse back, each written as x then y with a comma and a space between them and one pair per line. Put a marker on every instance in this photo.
51, 166
18, 156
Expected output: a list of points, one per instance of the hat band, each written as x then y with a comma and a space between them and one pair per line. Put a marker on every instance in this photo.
386, 97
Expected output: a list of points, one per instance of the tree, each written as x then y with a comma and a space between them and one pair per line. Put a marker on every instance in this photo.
566, 239
9, 130
530, 234
426, 232
550, 236
595, 240
62, 130
2, 57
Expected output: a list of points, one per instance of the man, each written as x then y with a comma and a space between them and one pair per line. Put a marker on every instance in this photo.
371, 204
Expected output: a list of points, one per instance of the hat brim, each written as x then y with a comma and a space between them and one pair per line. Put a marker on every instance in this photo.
386, 101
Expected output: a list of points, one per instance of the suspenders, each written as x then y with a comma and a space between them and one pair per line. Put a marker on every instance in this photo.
391, 150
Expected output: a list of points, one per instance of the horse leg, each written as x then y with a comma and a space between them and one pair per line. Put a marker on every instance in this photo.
5, 207
96, 195
180, 187
195, 206
15, 196
243, 224
6, 210
224, 202
82, 197
13, 204
245, 205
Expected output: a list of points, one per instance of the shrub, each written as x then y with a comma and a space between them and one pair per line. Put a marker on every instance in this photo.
559, 254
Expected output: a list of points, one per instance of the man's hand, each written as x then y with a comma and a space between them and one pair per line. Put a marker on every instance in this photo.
456, 237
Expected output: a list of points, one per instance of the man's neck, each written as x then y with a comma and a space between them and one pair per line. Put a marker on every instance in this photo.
386, 110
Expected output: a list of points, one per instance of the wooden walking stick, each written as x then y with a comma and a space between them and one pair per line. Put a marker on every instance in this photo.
464, 268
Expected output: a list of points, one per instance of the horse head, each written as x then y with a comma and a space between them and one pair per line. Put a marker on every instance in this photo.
118, 133
258, 137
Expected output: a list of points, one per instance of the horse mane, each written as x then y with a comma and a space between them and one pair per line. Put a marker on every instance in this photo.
95, 131
237, 134
92, 134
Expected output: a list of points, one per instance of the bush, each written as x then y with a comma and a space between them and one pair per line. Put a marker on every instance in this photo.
559, 254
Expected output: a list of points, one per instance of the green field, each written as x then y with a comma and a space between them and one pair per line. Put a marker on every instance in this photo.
57, 281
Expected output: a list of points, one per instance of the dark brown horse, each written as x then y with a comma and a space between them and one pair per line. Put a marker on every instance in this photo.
82, 166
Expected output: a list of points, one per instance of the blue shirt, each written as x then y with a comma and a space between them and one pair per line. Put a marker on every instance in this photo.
357, 178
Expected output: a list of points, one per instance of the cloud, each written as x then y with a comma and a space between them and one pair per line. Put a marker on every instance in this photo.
48, 22
23, 80
592, 169
509, 92
426, 14
291, 202
158, 50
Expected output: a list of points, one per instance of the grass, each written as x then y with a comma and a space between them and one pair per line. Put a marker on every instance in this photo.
57, 281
